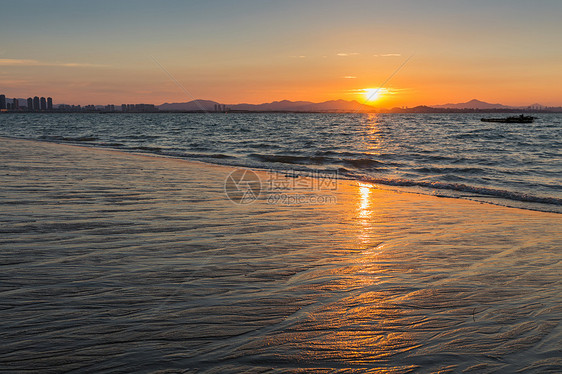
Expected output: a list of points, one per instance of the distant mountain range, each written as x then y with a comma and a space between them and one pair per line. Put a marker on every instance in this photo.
276, 106
332, 106
477, 104
473, 104
329, 106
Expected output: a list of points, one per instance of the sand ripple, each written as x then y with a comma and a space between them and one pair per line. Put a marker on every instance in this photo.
116, 262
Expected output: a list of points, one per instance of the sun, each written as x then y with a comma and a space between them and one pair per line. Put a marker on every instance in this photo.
372, 94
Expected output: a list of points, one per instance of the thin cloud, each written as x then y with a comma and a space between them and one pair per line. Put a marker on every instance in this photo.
16, 62
301, 56
15, 82
381, 90
389, 55
27, 62
347, 54
349, 77
79, 65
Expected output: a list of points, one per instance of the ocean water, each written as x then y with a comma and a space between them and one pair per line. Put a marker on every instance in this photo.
453, 155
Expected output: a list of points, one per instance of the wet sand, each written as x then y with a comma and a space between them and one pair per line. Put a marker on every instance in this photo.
122, 262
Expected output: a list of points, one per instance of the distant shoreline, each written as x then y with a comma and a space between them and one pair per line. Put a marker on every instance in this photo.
415, 110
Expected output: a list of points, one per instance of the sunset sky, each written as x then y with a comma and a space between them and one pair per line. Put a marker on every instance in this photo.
106, 52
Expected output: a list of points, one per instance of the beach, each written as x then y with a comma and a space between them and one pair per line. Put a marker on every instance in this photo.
115, 261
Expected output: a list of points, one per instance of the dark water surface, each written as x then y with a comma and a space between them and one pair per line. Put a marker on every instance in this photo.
445, 154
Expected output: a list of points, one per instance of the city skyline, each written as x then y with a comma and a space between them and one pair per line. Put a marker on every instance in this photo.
35, 104
42, 104
255, 52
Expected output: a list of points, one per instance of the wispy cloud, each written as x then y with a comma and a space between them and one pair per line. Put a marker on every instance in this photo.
16, 62
342, 54
380, 90
15, 82
300, 56
349, 77
80, 65
388, 55
27, 62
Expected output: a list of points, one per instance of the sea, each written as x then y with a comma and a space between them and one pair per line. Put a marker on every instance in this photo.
452, 155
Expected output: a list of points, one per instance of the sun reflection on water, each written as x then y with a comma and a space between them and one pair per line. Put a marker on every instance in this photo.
373, 136
364, 212
364, 201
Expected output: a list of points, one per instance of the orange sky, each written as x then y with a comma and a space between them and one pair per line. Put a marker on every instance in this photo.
254, 52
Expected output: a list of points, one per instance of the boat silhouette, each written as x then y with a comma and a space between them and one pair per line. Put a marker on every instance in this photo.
515, 119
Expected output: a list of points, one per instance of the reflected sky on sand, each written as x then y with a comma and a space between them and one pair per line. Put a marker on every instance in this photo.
112, 260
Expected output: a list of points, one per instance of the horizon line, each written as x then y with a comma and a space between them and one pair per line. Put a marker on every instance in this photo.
307, 102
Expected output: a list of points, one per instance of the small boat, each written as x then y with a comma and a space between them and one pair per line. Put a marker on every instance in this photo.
516, 119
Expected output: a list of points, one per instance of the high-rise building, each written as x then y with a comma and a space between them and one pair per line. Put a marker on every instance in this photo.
2, 102
15, 104
49, 103
43, 104
29, 104
36, 106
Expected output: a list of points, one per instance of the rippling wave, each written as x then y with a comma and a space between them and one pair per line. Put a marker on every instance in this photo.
442, 154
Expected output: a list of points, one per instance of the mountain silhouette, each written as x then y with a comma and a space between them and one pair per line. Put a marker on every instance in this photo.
472, 104
195, 105
275, 106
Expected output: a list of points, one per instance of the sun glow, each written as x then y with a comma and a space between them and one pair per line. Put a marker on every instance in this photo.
372, 94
